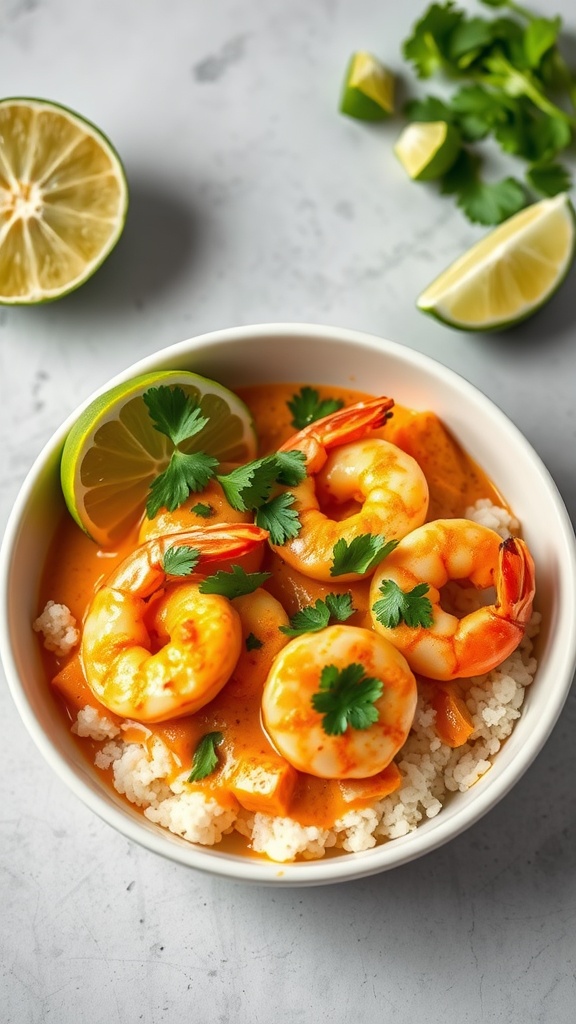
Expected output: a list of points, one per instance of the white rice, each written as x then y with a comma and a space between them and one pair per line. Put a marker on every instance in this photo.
59, 628
147, 774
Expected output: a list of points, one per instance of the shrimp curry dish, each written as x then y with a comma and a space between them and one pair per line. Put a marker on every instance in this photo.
298, 652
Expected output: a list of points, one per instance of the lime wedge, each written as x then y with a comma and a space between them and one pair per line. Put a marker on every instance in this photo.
368, 92
63, 200
113, 452
427, 149
510, 273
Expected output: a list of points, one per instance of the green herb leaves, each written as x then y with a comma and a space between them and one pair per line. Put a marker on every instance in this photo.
396, 606
205, 758
249, 488
518, 88
180, 561
306, 407
179, 418
334, 607
346, 698
235, 583
361, 555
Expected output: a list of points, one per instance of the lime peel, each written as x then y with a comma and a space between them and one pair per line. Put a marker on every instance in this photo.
368, 92
427, 149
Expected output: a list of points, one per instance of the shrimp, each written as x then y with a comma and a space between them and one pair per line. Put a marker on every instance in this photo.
184, 518
261, 617
295, 727
388, 483
458, 549
153, 648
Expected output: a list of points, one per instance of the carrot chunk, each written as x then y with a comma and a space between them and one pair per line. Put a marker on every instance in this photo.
453, 721
264, 785
360, 792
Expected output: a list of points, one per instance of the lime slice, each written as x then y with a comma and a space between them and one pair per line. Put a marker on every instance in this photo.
368, 89
427, 149
510, 273
113, 452
63, 200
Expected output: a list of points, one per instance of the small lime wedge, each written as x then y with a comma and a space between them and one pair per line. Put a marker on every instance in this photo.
368, 93
509, 273
63, 200
427, 149
113, 452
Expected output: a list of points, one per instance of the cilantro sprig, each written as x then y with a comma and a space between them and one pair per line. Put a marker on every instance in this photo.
179, 417
347, 698
314, 617
513, 85
249, 487
235, 583
205, 759
180, 561
203, 510
361, 555
306, 407
396, 606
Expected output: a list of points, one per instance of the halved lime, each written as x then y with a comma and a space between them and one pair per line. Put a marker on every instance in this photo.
427, 149
509, 273
113, 452
368, 92
63, 200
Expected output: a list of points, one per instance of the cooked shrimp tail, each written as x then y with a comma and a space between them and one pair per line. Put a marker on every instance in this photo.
515, 582
341, 427
143, 571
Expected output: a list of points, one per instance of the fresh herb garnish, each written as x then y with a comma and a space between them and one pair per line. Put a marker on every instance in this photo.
516, 88
180, 561
361, 555
235, 583
202, 510
252, 643
279, 518
183, 475
306, 407
178, 417
250, 486
396, 605
317, 616
205, 759
347, 697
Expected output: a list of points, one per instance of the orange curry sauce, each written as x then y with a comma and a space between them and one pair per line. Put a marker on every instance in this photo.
76, 567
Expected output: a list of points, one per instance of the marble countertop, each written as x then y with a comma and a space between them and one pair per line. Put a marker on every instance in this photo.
252, 200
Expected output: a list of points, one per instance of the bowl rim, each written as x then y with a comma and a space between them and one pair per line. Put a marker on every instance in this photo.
242, 868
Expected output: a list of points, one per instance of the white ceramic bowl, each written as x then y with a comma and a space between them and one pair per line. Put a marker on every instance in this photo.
313, 354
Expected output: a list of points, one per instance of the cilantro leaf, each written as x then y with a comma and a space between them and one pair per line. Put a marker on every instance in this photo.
233, 584
347, 697
204, 511
467, 40
249, 486
252, 643
428, 46
396, 605
429, 109
205, 758
306, 407
290, 467
279, 518
314, 617
477, 111
174, 413
549, 179
361, 555
540, 35
183, 475
482, 203
180, 560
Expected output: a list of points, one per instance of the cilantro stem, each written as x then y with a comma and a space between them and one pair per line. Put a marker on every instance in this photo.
516, 83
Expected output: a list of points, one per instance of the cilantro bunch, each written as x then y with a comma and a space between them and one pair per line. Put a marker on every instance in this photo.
516, 89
